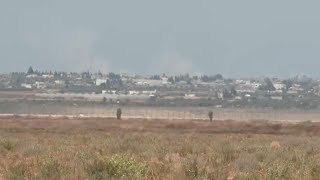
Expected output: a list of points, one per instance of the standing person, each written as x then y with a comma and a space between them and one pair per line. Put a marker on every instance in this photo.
210, 114
119, 113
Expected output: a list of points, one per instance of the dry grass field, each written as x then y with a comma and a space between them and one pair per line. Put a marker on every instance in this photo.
61, 148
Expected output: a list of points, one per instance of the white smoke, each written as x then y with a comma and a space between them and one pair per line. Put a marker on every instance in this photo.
81, 54
175, 63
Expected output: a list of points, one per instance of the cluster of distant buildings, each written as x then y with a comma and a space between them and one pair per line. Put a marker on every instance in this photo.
111, 86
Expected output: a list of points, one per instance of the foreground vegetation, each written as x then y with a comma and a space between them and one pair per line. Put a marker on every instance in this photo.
110, 149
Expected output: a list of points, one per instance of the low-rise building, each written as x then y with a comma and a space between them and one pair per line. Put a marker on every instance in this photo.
48, 76
40, 85
27, 86
279, 86
100, 81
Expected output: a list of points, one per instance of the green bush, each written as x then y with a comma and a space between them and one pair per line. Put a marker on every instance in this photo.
18, 171
119, 165
51, 168
7, 145
315, 171
193, 170
97, 169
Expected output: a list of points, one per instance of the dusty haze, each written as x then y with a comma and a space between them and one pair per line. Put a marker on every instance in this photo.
235, 38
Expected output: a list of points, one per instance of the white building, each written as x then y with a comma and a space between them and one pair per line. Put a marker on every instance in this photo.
149, 92
279, 86
248, 83
100, 81
48, 76
133, 92
165, 81
27, 86
59, 82
255, 85
189, 96
40, 85
149, 82
32, 76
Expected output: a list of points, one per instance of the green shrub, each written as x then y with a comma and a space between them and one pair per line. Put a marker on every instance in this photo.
50, 168
7, 145
279, 171
97, 169
82, 156
315, 171
193, 169
119, 165
219, 173
18, 171
125, 165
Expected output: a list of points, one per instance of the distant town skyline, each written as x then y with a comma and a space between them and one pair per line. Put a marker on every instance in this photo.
234, 38
31, 71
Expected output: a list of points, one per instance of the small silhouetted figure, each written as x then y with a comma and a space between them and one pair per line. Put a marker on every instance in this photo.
210, 114
119, 112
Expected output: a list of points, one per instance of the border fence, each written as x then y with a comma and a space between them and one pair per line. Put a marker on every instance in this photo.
140, 112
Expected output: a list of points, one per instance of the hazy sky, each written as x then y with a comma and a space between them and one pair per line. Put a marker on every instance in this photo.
232, 37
